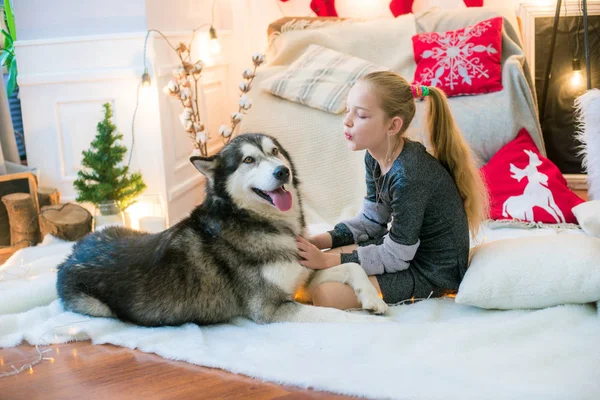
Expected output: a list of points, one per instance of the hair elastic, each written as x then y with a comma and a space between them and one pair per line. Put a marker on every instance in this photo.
419, 91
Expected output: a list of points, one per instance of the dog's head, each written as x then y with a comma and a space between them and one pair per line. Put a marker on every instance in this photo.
255, 173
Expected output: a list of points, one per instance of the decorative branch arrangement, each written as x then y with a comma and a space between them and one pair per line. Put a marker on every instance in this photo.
185, 88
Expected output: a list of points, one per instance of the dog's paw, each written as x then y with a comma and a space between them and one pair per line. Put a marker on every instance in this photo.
370, 301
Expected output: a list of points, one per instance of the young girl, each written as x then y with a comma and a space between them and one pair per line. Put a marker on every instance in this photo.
432, 201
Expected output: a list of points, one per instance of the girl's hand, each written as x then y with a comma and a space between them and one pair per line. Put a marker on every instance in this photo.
314, 258
321, 241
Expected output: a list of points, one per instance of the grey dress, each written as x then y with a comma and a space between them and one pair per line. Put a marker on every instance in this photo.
427, 246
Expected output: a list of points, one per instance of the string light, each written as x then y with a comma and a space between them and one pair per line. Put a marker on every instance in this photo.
40, 357
146, 80
214, 45
411, 300
22, 266
41, 353
28, 366
25, 273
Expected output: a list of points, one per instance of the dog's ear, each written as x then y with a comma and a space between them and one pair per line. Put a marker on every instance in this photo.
206, 165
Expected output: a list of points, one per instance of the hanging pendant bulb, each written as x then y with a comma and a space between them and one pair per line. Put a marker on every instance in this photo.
146, 80
214, 45
576, 76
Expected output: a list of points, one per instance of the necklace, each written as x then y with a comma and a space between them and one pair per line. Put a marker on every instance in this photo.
378, 188
389, 159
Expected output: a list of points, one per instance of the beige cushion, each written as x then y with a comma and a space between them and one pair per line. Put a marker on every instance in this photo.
533, 272
319, 78
588, 217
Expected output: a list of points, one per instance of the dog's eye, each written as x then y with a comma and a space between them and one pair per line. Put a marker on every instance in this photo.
275, 151
248, 160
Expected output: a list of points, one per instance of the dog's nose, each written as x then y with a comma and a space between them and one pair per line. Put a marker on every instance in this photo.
282, 173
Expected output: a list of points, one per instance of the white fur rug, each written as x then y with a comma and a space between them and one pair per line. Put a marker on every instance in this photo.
431, 349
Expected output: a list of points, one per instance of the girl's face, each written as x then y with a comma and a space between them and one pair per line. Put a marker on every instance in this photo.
366, 126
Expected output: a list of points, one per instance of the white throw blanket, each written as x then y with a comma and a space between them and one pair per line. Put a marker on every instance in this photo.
430, 349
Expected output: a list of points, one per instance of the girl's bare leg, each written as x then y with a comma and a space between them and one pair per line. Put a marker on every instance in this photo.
339, 295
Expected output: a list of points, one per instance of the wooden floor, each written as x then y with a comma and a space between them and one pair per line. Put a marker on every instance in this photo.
81, 370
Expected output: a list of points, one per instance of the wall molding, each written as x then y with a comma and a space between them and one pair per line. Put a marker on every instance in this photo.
113, 36
107, 74
68, 174
179, 190
73, 57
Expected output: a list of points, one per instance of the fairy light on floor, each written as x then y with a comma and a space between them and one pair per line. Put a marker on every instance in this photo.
22, 266
28, 366
412, 300
24, 271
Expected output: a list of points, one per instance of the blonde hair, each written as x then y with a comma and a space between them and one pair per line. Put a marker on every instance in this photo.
396, 100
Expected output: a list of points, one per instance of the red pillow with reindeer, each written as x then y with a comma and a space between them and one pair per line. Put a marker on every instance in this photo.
461, 62
525, 185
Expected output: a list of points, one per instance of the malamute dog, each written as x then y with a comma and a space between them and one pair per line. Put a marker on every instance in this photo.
234, 256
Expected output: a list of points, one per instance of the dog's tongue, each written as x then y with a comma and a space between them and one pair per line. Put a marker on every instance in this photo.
281, 198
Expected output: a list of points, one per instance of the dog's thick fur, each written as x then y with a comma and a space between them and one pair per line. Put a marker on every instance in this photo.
235, 255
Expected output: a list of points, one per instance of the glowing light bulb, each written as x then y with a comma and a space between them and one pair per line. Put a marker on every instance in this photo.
576, 76
146, 80
213, 44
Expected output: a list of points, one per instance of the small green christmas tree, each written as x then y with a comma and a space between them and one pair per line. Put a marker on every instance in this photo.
101, 179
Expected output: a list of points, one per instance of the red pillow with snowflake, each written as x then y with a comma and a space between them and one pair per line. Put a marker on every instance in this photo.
525, 185
461, 62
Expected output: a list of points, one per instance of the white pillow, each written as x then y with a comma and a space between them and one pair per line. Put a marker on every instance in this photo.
588, 217
533, 272
320, 78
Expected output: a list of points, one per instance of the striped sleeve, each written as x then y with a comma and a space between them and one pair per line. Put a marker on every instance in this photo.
399, 247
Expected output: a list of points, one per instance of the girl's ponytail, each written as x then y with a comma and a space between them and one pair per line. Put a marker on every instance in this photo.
455, 155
